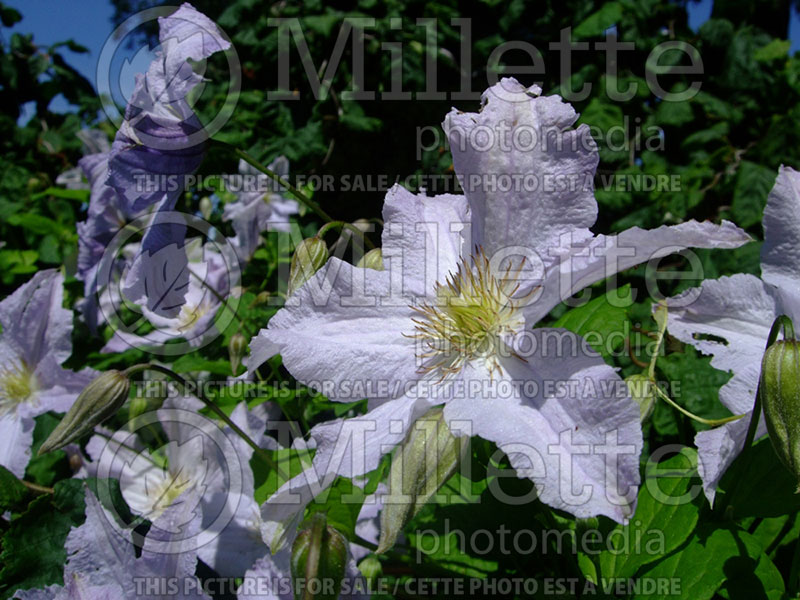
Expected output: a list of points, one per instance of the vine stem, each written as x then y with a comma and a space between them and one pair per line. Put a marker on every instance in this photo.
214, 408
305, 200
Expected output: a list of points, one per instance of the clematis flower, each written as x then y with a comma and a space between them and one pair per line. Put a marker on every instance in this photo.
259, 206
207, 279
102, 562
214, 464
450, 319
730, 319
34, 342
160, 142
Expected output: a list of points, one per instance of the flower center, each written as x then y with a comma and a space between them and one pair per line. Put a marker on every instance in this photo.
17, 385
473, 312
189, 315
171, 485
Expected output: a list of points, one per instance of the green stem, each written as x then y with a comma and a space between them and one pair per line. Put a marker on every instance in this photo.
350, 227
794, 585
676, 406
214, 408
308, 202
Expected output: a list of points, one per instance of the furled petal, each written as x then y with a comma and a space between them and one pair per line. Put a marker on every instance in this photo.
780, 254
574, 261
565, 420
34, 321
340, 335
519, 134
730, 319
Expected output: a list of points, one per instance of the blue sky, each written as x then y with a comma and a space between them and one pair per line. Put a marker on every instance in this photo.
88, 22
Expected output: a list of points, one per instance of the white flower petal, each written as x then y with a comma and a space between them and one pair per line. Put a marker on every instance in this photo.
780, 254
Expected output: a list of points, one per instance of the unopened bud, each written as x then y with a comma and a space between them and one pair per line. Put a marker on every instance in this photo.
319, 558
236, 350
780, 398
371, 568
206, 207
642, 391
424, 462
262, 298
99, 400
372, 260
309, 257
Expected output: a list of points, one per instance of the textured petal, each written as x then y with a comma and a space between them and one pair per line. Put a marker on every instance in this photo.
518, 134
717, 448
16, 437
780, 254
566, 422
422, 238
575, 261
338, 336
34, 320
268, 579
737, 312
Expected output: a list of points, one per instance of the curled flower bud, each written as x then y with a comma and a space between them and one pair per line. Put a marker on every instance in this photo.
424, 462
236, 348
97, 402
319, 558
780, 397
642, 391
309, 257
372, 260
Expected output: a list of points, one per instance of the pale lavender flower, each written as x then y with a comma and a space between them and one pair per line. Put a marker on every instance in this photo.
451, 319
213, 463
36, 339
260, 206
730, 319
102, 562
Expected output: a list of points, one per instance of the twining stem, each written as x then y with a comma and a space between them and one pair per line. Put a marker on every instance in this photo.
214, 408
344, 225
39, 489
305, 200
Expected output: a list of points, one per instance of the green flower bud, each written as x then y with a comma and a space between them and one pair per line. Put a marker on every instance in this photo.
319, 558
780, 398
643, 392
309, 257
99, 400
372, 260
236, 348
262, 298
206, 207
424, 462
371, 568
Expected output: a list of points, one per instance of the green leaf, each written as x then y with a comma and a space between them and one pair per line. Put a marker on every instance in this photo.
596, 24
658, 525
760, 484
12, 492
601, 321
711, 556
753, 184
774, 50
33, 547
341, 504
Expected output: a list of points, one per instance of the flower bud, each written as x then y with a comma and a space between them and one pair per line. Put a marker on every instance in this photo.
236, 348
424, 462
643, 392
206, 206
309, 257
319, 558
372, 260
371, 568
780, 398
102, 398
